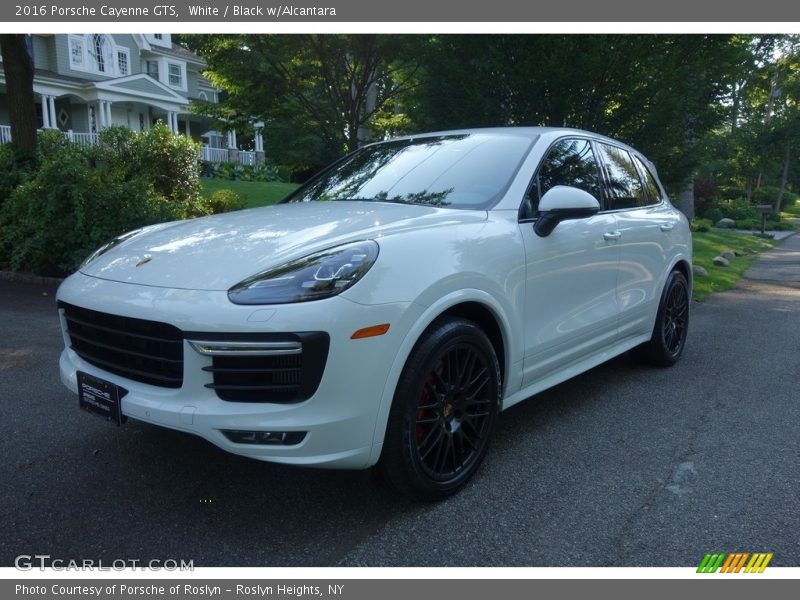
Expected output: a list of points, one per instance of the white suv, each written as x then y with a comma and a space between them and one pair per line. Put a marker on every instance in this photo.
389, 309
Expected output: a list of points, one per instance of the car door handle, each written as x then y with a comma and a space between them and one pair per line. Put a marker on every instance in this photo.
667, 227
612, 235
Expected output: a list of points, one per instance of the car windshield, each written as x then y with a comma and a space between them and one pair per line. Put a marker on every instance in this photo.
471, 171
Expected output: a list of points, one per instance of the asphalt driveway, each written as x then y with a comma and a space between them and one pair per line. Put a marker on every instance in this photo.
624, 465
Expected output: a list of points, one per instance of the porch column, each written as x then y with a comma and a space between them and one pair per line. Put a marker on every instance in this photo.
101, 115
175, 123
45, 112
188, 130
109, 121
259, 144
231, 138
51, 105
90, 119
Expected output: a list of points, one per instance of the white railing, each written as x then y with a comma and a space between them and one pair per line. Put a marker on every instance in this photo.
83, 139
247, 157
213, 155
207, 153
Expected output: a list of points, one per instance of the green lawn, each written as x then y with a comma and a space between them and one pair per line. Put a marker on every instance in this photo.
254, 193
707, 245
792, 210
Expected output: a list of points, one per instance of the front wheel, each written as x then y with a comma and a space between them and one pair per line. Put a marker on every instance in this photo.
444, 410
672, 324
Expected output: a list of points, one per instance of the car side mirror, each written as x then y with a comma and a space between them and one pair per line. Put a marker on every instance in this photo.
561, 203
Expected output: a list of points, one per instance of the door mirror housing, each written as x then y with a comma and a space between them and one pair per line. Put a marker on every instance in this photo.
561, 203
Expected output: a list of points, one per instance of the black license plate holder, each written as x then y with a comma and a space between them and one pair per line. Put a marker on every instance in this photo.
101, 397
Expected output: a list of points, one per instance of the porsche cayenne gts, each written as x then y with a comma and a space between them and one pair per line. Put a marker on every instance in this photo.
385, 312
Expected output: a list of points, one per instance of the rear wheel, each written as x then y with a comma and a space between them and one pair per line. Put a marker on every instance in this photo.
672, 325
444, 410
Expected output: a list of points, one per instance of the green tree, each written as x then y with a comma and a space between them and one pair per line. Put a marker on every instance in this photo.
318, 95
661, 93
18, 68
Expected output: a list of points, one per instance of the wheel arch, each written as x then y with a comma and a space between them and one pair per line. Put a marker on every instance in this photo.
474, 305
484, 318
685, 268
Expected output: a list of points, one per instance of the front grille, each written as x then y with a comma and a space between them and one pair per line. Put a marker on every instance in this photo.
279, 378
141, 350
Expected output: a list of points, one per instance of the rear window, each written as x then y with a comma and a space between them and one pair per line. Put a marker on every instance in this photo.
470, 171
624, 186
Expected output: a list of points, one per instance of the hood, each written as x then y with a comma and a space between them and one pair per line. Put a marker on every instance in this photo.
217, 252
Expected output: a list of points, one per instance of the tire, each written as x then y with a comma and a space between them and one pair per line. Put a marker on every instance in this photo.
672, 324
444, 410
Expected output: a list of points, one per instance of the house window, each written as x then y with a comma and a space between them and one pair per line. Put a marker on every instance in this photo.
123, 60
99, 50
158, 36
175, 75
76, 52
152, 69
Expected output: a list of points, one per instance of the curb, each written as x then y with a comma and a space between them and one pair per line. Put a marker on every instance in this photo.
30, 278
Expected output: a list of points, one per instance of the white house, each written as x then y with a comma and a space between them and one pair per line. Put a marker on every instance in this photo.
85, 82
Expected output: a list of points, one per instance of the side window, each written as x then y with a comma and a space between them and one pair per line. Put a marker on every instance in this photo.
650, 185
568, 162
624, 186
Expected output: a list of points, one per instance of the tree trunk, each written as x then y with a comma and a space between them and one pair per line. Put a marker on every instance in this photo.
686, 200
18, 68
784, 176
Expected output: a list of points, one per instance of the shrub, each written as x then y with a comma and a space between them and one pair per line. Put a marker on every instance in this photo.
702, 225
713, 214
738, 210
749, 224
222, 201
13, 169
234, 171
783, 226
79, 198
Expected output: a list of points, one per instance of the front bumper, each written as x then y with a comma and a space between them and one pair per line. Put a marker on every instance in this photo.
340, 419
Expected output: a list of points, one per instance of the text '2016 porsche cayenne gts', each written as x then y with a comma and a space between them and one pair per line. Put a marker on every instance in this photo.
387, 311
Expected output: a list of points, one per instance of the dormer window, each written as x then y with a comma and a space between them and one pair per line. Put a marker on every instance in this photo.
97, 53
101, 52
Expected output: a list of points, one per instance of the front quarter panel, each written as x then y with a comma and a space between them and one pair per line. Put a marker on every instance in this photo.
437, 269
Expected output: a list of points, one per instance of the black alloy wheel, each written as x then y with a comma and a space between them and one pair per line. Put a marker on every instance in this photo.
444, 411
671, 327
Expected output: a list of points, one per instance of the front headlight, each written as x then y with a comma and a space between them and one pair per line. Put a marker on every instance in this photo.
113, 243
320, 275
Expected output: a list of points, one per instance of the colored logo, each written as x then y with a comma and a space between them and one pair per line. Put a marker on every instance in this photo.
734, 562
